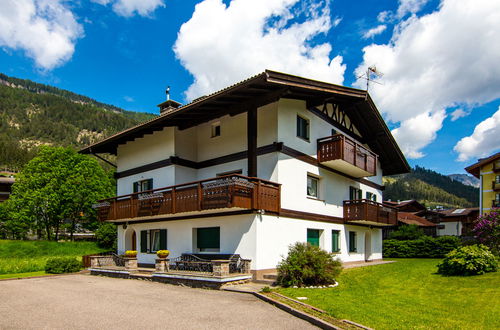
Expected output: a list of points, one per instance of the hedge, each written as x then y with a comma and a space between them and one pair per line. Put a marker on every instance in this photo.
425, 247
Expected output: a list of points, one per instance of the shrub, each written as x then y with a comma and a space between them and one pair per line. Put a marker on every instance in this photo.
407, 232
308, 265
266, 289
62, 265
487, 230
106, 236
468, 260
425, 247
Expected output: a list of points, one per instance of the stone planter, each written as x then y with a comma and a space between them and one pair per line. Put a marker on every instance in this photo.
220, 267
161, 265
130, 263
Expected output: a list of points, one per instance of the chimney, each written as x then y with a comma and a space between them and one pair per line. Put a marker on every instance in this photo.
169, 105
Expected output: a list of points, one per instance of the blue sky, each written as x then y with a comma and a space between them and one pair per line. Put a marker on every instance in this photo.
440, 92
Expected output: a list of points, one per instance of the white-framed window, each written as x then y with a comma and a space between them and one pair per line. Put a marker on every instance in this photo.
216, 129
371, 196
143, 185
355, 193
155, 240
303, 128
312, 186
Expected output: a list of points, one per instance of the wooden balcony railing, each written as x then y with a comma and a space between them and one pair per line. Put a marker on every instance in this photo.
495, 186
496, 166
343, 154
233, 191
369, 212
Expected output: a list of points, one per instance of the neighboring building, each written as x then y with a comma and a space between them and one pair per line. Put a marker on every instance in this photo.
487, 170
457, 222
410, 212
6, 183
253, 168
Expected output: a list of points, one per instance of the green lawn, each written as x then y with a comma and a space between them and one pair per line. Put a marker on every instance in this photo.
31, 256
408, 294
21, 275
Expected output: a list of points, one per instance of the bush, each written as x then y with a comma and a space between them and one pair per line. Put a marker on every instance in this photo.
407, 232
106, 236
308, 265
468, 260
487, 230
62, 265
425, 247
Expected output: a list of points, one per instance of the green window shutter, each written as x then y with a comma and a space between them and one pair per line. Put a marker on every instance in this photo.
360, 194
149, 184
136, 187
351, 193
163, 239
144, 241
352, 241
374, 197
335, 241
208, 238
313, 237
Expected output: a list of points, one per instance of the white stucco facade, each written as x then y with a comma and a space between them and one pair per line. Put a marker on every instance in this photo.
264, 238
451, 228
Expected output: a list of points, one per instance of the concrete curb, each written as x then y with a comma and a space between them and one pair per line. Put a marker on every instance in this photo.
297, 313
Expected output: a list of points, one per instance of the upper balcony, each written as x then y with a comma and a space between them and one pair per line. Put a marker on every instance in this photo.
228, 192
495, 186
343, 154
364, 211
496, 166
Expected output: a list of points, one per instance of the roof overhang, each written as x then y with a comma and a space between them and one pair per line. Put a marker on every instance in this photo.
475, 168
265, 88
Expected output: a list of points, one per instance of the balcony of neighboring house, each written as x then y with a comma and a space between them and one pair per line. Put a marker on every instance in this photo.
496, 166
495, 185
228, 193
367, 212
346, 155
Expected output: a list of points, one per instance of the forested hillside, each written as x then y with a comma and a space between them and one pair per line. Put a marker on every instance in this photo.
33, 114
430, 188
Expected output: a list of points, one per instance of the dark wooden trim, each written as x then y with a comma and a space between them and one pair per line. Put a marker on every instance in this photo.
310, 216
332, 122
197, 165
104, 160
252, 142
144, 168
186, 217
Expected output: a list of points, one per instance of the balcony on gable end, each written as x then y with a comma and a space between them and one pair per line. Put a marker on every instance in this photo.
347, 156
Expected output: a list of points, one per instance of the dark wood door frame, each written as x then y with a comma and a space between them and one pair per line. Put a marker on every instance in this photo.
252, 141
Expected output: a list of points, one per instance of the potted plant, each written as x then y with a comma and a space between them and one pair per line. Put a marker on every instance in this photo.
162, 253
130, 254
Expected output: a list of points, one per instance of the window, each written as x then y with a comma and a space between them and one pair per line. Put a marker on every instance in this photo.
216, 129
143, 185
229, 173
352, 241
334, 131
312, 186
371, 196
153, 240
313, 236
497, 179
208, 239
335, 241
302, 128
355, 193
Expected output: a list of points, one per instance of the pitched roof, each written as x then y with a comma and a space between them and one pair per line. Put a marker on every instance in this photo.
402, 204
459, 212
476, 167
264, 88
412, 219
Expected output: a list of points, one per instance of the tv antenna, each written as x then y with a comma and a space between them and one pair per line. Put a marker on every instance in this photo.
371, 71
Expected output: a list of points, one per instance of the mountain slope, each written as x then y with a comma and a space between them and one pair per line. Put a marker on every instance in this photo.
466, 179
430, 188
33, 114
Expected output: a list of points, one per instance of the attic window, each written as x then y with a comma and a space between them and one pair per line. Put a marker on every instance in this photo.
216, 129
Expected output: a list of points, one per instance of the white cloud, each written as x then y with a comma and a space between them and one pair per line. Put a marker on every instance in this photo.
423, 126
410, 7
222, 44
374, 31
459, 113
441, 60
46, 30
128, 8
484, 141
128, 98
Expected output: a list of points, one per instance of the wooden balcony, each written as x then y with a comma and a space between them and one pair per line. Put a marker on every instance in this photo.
228, 192
345, 155
495, 186
496, 166
495, 203
364, 211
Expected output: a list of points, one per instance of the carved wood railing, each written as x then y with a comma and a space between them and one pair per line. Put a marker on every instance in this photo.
339, 146
232, 191
367, 210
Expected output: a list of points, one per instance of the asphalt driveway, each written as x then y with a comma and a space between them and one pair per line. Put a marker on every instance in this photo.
92, 302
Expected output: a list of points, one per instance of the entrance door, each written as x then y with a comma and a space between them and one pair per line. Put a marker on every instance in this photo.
134, 241
368, 245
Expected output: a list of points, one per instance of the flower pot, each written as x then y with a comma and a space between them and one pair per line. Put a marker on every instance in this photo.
163, 253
